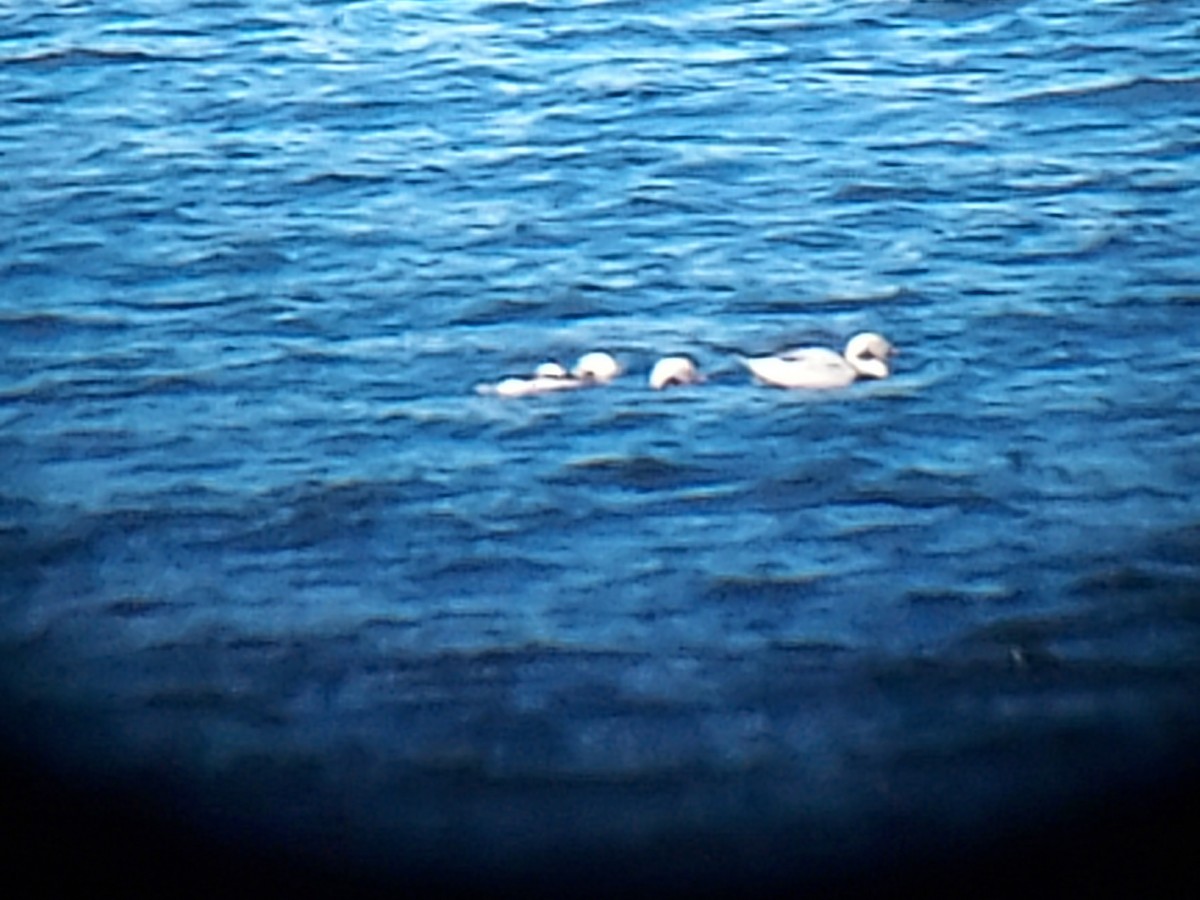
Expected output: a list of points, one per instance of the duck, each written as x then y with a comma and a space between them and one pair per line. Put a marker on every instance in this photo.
672, 371
866, 356
547, 377
592, 368
596, 367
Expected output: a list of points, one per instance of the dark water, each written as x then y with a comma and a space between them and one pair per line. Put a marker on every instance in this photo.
264, 548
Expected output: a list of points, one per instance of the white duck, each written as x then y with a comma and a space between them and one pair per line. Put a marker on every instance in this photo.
596, 367
674, 370
592, 368
547, 377
866, 356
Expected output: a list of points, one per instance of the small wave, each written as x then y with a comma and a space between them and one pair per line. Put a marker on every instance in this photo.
86, 56
499, 312
955, 598
137, 607
336, 181
762, 588
917, 489
1132, 93
872, 191
495, 570
643, 473
43, 325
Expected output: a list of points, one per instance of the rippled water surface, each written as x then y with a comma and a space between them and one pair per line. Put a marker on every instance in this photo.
261, 537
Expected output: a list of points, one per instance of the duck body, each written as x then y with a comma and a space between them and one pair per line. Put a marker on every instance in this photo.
810, 367
591, 369
525, 387
673, 371
547, 377
596, 367
817, 368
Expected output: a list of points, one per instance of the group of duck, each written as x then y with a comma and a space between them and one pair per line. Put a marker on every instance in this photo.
867, 355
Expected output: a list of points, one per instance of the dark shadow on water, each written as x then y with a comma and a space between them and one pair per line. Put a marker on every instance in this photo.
1034, 755
70, 837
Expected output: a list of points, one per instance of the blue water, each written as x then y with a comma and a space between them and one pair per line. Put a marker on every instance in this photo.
262, 537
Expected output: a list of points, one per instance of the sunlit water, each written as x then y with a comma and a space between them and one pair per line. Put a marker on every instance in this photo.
262, 538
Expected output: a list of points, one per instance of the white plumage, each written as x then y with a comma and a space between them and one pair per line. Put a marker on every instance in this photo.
674, 370
866, 356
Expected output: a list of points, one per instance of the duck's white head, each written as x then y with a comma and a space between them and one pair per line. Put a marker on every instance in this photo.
596, 367
674, 370
550, 370
869, 353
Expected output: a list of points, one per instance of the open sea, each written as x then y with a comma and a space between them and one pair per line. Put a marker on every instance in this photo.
273, 572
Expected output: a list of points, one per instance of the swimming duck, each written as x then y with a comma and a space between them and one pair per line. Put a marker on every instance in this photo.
674, 370
592, 368
866, 356
547, 377
596, 367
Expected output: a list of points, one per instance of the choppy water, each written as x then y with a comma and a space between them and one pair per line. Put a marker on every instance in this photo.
262, 540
